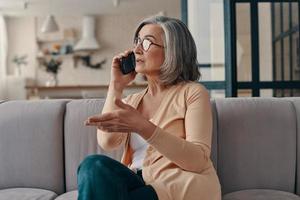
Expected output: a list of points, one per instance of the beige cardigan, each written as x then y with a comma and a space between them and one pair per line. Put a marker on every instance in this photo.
177, 162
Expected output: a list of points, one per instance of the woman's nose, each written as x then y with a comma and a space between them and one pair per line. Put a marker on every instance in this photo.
138, 49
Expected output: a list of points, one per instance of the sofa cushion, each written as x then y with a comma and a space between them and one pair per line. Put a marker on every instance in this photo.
296, 103
31, 144
260, 194
81, 140
68, 196
26, 194
256, 144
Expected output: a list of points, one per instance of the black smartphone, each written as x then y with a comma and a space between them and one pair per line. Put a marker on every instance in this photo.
127, 64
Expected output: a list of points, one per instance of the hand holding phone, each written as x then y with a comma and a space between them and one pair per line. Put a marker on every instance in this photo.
127, 64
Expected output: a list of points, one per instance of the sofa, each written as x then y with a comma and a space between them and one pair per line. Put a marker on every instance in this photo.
255, 147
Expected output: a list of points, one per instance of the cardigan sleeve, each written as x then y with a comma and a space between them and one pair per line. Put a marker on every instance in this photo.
193, 152
112, 141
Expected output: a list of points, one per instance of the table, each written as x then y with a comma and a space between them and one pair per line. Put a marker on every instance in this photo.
75, 91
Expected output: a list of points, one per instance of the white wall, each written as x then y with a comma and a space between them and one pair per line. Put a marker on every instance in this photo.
21, 41
114, 33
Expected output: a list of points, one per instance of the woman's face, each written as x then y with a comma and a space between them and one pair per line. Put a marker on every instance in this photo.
148, 62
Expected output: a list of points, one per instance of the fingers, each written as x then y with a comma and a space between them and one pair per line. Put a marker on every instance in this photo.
122, 105
110, 127
123, 54
133, 74
116, 58
126, 52
101, 118
111, 120
117, 115
119, 56
115, 128
106, 124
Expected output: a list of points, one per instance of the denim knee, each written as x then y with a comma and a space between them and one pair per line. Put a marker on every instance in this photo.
93, 162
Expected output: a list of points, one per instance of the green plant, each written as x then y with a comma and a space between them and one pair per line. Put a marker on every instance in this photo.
20, 60
53, 66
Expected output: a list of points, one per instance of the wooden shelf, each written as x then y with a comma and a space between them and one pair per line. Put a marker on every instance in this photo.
76, 87
50, 41
75, 91
71, 55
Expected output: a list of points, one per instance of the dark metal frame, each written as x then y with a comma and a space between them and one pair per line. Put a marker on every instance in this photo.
230, 46
231, 84
280, 38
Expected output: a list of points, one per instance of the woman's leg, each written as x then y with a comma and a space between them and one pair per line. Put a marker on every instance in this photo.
102, 178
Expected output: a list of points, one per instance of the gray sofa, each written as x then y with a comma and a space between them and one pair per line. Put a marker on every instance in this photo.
255, 147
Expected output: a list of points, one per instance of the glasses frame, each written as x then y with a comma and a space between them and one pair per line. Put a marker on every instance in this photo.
138, 41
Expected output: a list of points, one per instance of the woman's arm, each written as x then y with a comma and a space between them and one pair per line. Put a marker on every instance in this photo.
108, 140
192, 153
112, 140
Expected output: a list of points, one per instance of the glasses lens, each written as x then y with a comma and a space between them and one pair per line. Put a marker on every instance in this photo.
136, 41
146, 44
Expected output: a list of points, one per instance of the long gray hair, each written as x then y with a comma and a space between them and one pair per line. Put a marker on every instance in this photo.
180, 50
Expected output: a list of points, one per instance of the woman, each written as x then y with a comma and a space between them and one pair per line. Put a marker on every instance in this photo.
166, 129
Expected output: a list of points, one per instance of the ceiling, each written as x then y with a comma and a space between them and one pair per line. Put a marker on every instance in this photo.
83, 7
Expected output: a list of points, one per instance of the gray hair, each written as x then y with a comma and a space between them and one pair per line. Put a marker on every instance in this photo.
180, 50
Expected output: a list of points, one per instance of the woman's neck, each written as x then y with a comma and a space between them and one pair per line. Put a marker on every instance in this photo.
155, 88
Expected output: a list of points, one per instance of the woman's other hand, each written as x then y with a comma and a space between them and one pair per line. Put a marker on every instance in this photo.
124, 119
120, 80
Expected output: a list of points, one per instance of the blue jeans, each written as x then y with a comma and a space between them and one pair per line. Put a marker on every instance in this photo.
102, 178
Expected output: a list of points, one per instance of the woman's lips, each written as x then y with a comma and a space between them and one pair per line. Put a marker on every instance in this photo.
139, 61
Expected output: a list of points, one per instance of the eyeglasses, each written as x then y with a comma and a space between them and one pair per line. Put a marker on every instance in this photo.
145, 43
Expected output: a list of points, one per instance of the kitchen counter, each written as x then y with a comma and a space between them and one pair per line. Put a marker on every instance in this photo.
75, 91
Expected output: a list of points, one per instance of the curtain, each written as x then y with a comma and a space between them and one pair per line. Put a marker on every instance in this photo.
3, 57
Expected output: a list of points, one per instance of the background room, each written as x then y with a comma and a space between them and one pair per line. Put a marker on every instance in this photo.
63, 49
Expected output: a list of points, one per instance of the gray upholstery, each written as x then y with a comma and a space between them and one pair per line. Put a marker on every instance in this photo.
214, 145
260, 194
255, 147
72, 195
26, 194
257, 144
296, 104
81, 140
31, 145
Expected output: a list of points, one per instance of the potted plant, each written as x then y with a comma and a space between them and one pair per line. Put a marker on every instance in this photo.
19, 61
52, 66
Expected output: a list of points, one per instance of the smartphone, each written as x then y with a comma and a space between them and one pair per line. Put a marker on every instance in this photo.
127, 64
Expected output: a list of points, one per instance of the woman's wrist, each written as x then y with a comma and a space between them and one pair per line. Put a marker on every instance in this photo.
147, 129
116, 87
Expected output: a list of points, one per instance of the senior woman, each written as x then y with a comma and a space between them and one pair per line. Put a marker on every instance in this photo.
166, 129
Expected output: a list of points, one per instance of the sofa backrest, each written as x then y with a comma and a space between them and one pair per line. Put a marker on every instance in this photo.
81, 140
256, 144
296, 104
31, 144
253, 143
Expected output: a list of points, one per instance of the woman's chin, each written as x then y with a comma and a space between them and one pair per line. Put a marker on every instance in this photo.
139, 69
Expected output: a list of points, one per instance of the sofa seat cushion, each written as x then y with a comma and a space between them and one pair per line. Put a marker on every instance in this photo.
26, 194
260, 194
68, 196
